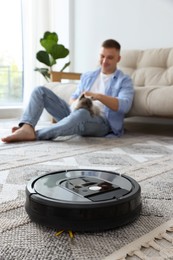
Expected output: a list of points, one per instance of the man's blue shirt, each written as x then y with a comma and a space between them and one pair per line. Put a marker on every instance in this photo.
121, 87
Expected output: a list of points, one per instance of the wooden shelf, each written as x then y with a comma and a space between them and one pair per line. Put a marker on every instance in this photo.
58, 76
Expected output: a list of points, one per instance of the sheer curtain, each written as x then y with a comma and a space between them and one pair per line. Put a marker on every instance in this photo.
36, 20
40, 16
11, 60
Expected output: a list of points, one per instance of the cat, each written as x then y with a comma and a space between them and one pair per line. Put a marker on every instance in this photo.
87, 103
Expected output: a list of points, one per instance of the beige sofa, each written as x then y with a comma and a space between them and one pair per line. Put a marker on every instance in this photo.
152, 74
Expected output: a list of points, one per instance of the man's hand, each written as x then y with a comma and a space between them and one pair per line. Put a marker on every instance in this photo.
111, 102
92, 95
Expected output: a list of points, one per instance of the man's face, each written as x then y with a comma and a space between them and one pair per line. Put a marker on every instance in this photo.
109, 57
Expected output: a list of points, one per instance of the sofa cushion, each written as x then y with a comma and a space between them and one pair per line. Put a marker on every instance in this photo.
152, 74
63, 90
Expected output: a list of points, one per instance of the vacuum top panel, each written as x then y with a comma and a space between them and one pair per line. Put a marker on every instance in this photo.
82, 186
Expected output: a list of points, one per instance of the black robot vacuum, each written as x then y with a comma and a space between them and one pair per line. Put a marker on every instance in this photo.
83, 200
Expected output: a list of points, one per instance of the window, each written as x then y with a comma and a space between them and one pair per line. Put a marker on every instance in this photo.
11, 53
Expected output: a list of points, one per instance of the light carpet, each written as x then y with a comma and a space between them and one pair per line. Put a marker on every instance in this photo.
148, 158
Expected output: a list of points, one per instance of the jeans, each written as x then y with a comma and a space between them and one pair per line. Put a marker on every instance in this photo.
78, 122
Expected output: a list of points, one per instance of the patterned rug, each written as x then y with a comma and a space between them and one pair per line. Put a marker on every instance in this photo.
148, 158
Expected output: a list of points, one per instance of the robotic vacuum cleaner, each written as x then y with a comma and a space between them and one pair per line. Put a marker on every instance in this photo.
83, 200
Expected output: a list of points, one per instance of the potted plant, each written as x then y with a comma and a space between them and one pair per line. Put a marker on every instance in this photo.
53, 51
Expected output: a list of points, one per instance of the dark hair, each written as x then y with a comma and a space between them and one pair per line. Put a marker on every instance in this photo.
110, 43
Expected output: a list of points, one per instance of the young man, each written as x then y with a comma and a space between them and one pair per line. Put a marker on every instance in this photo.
107, 86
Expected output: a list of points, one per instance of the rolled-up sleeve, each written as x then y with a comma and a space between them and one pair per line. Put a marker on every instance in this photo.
125, 95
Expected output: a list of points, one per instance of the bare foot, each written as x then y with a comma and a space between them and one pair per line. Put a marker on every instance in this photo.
25, 133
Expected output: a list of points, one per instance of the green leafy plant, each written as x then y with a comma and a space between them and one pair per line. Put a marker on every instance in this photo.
53, 51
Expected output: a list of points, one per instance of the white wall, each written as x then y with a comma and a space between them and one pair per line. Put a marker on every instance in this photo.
59, 22
135, 24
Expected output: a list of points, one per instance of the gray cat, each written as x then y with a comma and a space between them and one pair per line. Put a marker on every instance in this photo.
87, 103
